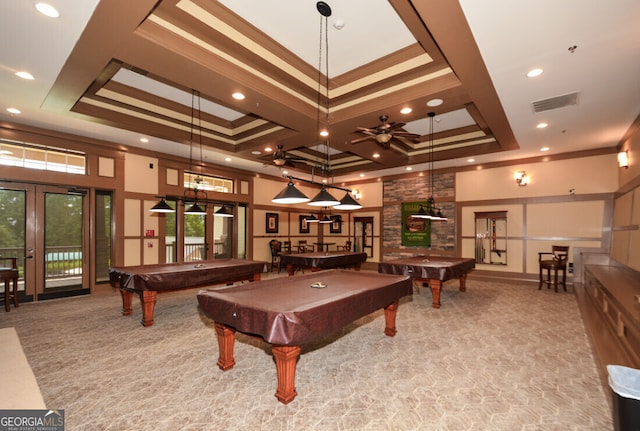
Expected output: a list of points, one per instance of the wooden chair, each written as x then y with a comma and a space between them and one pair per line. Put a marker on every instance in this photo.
303, 247
345, 247
276, 249
555, 261
286, 247
8, 274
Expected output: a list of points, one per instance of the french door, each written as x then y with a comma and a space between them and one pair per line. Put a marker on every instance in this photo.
47, 232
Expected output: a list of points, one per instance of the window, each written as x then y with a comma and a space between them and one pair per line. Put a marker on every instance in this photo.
205, 182
32, 156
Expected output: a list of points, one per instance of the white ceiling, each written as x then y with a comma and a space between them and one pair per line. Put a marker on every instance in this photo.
512, 36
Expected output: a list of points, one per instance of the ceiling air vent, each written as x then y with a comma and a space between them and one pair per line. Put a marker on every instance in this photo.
555, 102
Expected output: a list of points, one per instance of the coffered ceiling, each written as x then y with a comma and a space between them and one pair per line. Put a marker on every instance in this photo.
121, 70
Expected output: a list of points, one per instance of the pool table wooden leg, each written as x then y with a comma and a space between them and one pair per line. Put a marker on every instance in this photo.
286, 360
390, 319
226, 340
127, 301
463, 282
148, 300
436, 287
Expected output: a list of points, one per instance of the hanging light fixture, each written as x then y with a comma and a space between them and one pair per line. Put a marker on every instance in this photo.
224, 211
432, 213
326, 219
162, 207
312, 219
348, 203
194, 193
290, 195
323, 199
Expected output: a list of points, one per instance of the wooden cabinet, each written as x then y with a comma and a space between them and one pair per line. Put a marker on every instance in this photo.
491, 237
613, 292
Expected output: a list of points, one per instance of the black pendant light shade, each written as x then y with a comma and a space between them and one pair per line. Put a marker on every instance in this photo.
312, 219
324, 199
224, 211
195, 209
326, 219
162, 207
290, 195
348, 203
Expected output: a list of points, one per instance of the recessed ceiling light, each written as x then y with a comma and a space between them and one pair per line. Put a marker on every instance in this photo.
406, 110
541, 125
435, 102
285, 172
534, 72
544, 149
227, 159
471, 160
238, 96
361, 175
14, 111
144, 140
256, 152
24, 75
409, 168
48, 10
268, 149
376, 155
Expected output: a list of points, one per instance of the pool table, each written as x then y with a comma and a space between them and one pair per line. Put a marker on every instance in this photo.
148, 280
323, 260
433, 270
288, 312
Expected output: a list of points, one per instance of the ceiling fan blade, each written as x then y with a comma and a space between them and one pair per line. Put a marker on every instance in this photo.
394, 126
366, 138
366, 130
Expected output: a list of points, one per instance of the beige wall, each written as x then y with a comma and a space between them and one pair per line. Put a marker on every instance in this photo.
545, 212
596, 174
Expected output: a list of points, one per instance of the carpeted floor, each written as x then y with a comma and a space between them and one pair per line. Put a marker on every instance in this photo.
497, 357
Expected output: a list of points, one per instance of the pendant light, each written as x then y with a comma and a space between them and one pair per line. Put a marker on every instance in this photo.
433, 213
162, 207
194, 193
348, 203
290, 195
323, 199
224, 211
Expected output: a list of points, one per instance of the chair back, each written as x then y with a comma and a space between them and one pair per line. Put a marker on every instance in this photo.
560, 252
12, 261
286, 246
276, 247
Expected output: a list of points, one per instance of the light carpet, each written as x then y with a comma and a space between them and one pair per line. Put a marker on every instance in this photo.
496, 357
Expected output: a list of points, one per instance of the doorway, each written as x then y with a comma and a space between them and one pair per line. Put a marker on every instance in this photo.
46, 230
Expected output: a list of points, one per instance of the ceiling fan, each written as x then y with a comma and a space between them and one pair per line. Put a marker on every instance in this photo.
281, 159
385, 132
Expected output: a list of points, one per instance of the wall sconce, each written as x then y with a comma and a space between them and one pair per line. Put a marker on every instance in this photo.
356, 194
521, 178
623, 159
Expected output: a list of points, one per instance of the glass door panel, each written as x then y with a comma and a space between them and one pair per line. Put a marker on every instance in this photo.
195, 246
12, 228
222, 235
63, 241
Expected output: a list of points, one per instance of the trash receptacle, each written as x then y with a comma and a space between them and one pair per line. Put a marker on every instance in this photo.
625, 384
